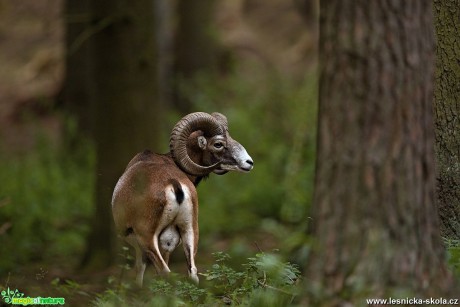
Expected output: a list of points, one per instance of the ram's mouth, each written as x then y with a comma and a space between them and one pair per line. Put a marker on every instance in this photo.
245, 169
224, 168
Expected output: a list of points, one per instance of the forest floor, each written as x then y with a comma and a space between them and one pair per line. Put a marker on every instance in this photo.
62, 277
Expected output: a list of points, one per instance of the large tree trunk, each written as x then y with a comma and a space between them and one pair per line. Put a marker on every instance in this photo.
126, 120
374, 216
447, 114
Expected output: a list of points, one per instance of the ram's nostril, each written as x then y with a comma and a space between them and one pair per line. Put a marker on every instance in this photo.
250, 162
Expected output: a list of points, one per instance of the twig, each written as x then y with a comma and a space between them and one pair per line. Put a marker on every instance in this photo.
8, 280
258, 247
274, 288
91, 30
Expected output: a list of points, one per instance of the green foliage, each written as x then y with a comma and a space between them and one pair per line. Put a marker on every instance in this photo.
265, 280
275, 119
45, 200
224, 281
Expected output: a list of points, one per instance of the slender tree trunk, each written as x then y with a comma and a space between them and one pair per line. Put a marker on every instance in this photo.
195, 46
77, 96
447, 114
374, 218
164, 10
126, 119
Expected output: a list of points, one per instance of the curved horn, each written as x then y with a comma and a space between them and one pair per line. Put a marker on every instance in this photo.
221, 118
179, 137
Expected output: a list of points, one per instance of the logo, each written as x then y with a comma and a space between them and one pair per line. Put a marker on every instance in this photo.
17, 298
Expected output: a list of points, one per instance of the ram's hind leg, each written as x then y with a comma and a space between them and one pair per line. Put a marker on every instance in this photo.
140, 264
190, 242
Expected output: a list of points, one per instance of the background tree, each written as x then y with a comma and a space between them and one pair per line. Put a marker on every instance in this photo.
447, 111
195, 46
374, 218
164, 33
76, 92
126, 116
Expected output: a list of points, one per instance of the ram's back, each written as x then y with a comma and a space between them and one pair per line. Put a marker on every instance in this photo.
139, 196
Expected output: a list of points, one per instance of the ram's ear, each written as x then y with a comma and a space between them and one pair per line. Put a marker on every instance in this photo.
202, 143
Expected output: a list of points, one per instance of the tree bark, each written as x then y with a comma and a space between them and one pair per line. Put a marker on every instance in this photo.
126, 113
447, 111
77, 96
374, 215
195, 46
164, 30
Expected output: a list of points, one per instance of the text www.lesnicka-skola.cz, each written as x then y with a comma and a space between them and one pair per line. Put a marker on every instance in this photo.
413, 301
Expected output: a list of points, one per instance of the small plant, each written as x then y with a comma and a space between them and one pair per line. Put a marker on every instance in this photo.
268, 269
225, 281
190, 292
263, 272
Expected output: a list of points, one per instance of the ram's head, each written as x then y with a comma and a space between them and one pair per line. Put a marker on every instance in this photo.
219, 152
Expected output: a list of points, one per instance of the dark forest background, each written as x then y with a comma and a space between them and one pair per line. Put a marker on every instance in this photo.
85, 85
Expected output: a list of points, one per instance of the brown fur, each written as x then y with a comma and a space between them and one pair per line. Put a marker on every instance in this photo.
139, 202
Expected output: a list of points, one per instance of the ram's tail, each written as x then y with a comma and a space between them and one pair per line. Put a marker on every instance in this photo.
177, 190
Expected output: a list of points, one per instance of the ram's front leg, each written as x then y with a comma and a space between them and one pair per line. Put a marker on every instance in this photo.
140, 263
152, 252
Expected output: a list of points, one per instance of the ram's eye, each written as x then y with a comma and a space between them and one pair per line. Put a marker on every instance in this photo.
218, 145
